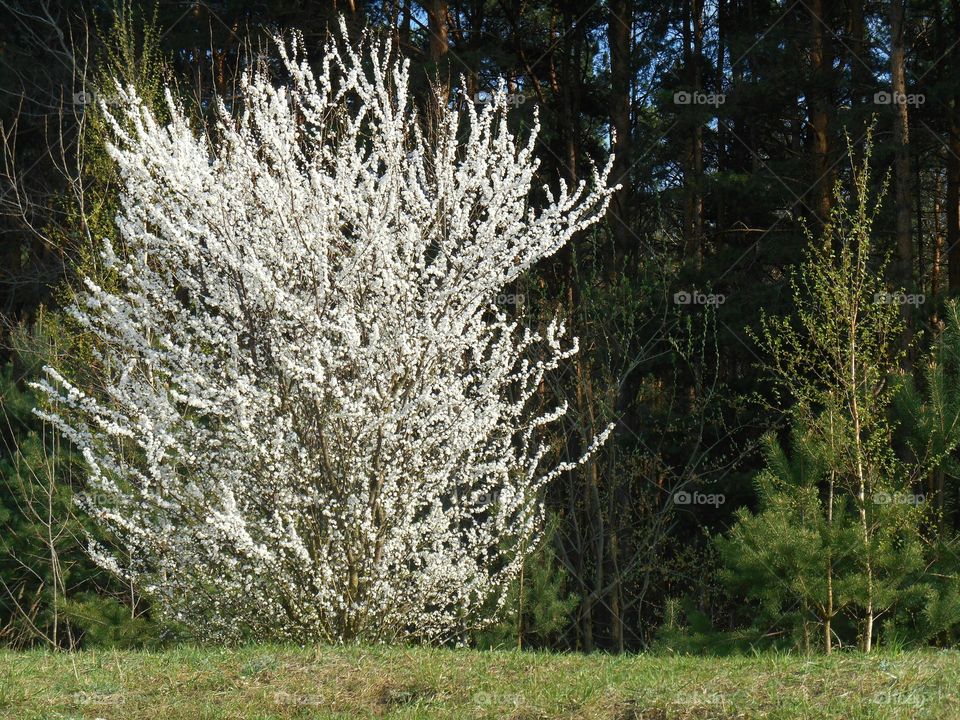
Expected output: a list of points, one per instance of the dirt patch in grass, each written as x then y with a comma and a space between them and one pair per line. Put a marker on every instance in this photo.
395, 695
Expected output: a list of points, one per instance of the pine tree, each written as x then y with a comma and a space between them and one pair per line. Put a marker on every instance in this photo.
789, 555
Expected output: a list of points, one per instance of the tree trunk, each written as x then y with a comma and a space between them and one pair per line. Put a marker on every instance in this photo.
901, 161
591, 491
861, 494
828, 614
720, 208
693, 213
405, 24
618, 36
953, 200
953, 167
616, 599
937, 259
818, 108
861, 77
439, 29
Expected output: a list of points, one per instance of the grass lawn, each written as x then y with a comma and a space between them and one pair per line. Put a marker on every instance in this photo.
284, 682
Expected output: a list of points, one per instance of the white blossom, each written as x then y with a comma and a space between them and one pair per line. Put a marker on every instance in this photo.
312, 422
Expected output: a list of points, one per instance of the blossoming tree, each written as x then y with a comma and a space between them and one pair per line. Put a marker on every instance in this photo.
313, 423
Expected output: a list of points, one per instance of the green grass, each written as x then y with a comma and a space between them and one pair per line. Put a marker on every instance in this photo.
283, 682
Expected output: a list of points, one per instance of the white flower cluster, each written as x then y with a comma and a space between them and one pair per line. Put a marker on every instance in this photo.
313, 423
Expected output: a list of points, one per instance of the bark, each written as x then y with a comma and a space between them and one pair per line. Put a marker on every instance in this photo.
862, 491
829, 612
618, 36
819, 104
405, 24
953, 177
616, 599
561, 83
693, 215
718, 88
860, 74
953, 203
439, 29
590, 492
937, 259
901, 161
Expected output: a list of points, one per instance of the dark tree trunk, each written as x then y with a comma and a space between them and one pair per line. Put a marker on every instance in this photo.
901, 160
439, 29
819, 106
618, 35
693, 212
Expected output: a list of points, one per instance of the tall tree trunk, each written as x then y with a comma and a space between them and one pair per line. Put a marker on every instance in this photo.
405, 21
562, 84
953, 201
918, 231
718, 83
830, 609
693, 214
860, 75
619, 33
591, 490
953, 169
439, 29
616, 589
937, 259
620, 22
862, 494
819, 103
901, 161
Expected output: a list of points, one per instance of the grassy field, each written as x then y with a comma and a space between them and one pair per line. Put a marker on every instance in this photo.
274, 682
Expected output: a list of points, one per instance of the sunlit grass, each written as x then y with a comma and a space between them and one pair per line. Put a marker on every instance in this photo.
284, 682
